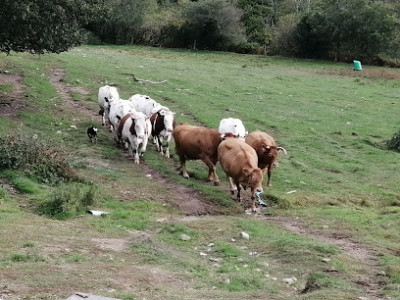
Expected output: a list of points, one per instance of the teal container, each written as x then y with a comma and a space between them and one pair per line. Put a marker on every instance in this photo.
357, 65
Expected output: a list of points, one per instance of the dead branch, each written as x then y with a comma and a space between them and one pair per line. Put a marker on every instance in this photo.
142, 81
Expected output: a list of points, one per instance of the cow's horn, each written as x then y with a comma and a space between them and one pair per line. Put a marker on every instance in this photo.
283, 149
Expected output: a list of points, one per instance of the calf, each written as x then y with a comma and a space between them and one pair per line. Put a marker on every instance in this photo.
92, 134
107, 94
239, 161
196, 142
267, 151
162, 125
132, 130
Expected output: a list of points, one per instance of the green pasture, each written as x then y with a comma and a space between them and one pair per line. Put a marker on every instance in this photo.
338, 180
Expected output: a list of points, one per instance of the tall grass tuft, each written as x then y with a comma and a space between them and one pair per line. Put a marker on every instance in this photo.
394, 142
67, 200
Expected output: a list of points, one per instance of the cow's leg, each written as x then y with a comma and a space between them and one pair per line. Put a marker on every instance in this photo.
183, 167
233, 186
238, 193
135, 156
167, 151
144, 145
158, 144
253, 201
269, 172
212, 174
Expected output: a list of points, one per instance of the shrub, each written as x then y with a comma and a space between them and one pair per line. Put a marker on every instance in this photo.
34, 157
394, 142
68, 199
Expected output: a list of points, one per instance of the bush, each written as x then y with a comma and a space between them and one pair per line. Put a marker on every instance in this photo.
34, 157
68, 199
394, 143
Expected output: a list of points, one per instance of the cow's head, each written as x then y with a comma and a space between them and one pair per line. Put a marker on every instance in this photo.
255, 178
270, 154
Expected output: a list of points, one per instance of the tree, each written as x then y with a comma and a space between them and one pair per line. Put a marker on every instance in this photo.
347, 29
210, 24
41, 26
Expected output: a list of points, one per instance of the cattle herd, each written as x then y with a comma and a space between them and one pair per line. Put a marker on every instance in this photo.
244, 157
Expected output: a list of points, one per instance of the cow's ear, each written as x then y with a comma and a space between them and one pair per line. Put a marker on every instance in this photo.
266, 147
246, 171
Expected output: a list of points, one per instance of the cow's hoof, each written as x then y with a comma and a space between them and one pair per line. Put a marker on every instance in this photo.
216, 183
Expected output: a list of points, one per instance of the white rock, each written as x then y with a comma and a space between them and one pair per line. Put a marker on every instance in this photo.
184, 237
203, 254
290, 280
244, 235
326, 260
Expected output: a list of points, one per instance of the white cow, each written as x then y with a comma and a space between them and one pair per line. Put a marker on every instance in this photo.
132, 130
118, 109
234, 126
145, 104
107, 94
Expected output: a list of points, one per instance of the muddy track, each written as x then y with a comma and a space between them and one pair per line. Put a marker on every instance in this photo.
189, 201
193, 203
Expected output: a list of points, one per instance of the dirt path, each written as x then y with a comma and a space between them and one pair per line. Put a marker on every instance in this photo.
191, 202
188, 200
12, 102
369, 282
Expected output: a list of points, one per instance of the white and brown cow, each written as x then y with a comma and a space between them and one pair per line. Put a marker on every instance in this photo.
162, 125
196, 142
118, 109
266, 149
239, 161
132, 130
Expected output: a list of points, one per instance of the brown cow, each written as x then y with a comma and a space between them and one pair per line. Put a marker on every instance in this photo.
196, 142
266, 149
239, 161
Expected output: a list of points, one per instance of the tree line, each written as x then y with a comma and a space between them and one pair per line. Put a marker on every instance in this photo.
340, 30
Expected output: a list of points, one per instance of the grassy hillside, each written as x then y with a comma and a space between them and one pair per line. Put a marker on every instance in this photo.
332, 221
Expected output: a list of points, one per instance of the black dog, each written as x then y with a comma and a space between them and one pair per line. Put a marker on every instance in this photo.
92, 134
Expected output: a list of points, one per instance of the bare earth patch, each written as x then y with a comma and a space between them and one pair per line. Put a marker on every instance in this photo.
12, 102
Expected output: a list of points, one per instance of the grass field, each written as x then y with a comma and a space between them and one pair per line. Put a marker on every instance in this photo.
331, 230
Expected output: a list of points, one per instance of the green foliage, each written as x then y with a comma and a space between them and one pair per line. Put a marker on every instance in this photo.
227, 250
337, 30
18, 258
34, 157
42, 26
121, 22
209, 24
68, 199
394, 142
21, 182
317, 281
